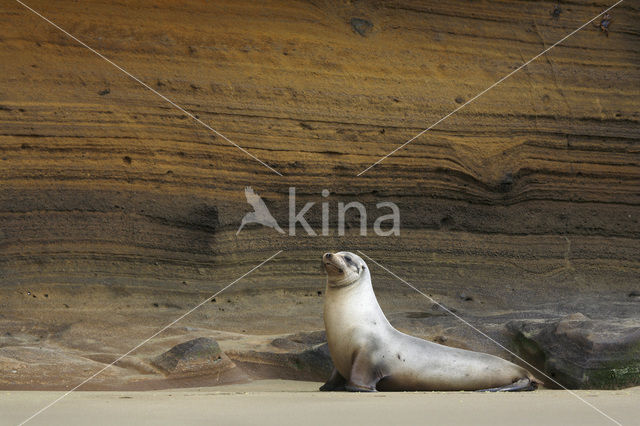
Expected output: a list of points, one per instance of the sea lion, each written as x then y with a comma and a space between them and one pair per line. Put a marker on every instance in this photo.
369, 354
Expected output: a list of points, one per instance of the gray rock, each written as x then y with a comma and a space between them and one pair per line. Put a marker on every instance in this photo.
316, 360
308, 354
582, 353
361, 26
301, 356
309, 338
192, 357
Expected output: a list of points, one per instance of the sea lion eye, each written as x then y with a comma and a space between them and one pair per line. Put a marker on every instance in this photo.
348, 259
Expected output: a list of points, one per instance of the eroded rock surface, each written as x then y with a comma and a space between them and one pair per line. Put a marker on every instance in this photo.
582, 353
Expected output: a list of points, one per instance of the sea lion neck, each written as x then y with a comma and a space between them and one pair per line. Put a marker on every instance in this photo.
362, 281
353, 297
337, 285
350, 307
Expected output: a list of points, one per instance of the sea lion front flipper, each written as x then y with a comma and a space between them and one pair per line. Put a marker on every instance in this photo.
364, 375
335, 383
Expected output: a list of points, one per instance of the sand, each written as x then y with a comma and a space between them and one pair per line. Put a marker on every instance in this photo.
278, 402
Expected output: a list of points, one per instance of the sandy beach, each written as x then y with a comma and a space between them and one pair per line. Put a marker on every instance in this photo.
279, 402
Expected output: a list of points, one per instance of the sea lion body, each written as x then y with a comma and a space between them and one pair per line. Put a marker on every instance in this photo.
369, 354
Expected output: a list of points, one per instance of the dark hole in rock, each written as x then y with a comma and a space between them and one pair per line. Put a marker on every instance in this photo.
466, 297
506, 183
361, 26
446, 222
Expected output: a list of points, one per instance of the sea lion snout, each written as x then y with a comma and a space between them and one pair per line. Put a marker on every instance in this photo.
332, 264
325, 260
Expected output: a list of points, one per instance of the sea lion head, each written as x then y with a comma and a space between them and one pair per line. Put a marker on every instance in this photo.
343, 268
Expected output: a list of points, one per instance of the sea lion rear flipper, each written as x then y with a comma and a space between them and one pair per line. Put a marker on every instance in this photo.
335, 383
524, 384
364, 375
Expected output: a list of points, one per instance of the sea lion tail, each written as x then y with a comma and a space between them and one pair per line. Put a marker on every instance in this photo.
535, 381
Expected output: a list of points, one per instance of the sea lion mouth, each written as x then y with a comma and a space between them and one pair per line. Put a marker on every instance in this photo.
329, 265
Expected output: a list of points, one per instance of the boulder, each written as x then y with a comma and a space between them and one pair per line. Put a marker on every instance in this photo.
300, 356
195, 357
582, 353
